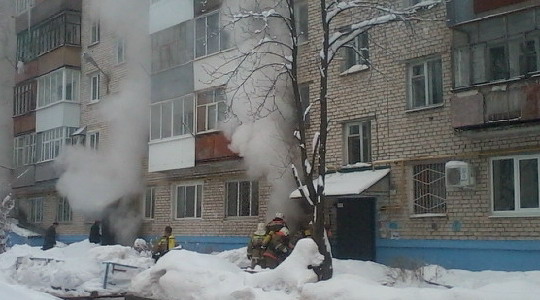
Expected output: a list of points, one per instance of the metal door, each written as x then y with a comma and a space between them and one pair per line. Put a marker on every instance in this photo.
355, 233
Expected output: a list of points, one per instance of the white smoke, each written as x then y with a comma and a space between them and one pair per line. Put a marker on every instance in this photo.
107, 182
262, 116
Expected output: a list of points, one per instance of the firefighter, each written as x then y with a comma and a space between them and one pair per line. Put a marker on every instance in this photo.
276, 244
166, 243
255, 247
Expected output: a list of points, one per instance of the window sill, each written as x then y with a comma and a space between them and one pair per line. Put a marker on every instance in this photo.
92, 102
434, 106
421, 216
208, 132
170, 139
92, 44
514, 214
234, 218
45, 161
189, 219
354, 69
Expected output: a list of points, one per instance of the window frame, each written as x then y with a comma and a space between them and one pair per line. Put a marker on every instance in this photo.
50, 143
36, 210
22, 6
197, 200
95, 87
149, 215
363, 125
95, 32
24, 98
254, 204
360, 50
64, 213
120, 51
24, 148
216, 102
185, 130
301, 10
517, 211
63, 78
92, 140
428, 82
206, 37
441, 183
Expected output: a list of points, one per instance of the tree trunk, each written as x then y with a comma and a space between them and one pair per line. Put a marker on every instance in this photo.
325, 271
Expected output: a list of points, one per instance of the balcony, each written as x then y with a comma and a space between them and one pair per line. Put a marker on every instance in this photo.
496, 105
212, 146
44, 10
464, 11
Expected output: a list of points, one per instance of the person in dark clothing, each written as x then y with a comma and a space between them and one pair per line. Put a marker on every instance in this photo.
49, 239
95, 235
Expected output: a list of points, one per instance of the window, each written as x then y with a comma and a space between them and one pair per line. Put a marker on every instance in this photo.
425, 83
242, 198
301, 20
515, 184
172, 118
50, 142
429, 189
93, 140
188, 201
120, 51
209, 37
22, 6
211, 108
304, 98
173, 46
358, 142
63, 213
24, 98
95, 32
149, 202
356, 53
94, 87
497, 48
36, 210
49, 35
24, 150
59, 85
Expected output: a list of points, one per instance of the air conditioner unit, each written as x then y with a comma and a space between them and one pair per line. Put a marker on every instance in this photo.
459, 174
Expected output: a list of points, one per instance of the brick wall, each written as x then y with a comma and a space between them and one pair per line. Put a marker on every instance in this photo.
406, 137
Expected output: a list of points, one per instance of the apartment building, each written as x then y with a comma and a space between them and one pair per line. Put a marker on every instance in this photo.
196, 183
7, 36
46, 108
446, 114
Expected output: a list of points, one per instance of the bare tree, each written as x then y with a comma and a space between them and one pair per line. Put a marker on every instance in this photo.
273, 55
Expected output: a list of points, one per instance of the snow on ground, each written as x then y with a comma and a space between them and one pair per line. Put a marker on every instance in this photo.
77, 269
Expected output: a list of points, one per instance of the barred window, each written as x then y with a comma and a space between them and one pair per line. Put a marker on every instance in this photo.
429, 189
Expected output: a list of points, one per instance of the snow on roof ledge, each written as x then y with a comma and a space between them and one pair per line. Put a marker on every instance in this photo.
348, 183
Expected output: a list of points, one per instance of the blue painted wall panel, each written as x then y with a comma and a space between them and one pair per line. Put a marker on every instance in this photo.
462, 254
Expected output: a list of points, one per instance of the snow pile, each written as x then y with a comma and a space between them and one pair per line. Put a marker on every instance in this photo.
17, 292
293, 273
182, 274
77, 268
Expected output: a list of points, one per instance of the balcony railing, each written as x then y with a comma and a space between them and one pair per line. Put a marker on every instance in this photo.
496, 105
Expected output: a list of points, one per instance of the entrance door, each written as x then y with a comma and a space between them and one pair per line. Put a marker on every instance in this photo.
355, 236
